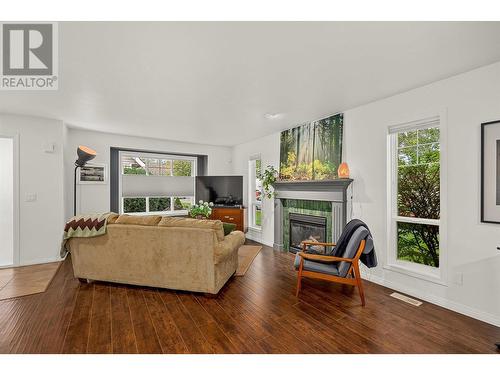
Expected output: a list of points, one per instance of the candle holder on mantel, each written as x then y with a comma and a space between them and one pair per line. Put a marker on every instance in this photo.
343, 171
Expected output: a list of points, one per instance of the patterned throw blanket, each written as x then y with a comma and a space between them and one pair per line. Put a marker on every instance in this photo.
84, 226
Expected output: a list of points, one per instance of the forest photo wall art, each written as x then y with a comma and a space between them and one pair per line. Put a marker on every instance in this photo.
312, 151
490, 172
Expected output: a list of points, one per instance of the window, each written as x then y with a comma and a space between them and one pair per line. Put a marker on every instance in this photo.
151, 183
255, 193
416, 197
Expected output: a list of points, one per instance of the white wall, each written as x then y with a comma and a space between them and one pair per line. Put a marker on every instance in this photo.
6, 201
268, 149
468, 100
40, 173
95, 198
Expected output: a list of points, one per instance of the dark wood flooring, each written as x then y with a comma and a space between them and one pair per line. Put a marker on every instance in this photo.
257, 313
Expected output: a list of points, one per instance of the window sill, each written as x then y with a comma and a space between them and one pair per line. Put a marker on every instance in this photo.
255, 229
435, 278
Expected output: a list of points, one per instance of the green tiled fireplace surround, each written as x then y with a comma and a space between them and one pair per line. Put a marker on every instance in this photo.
305, 207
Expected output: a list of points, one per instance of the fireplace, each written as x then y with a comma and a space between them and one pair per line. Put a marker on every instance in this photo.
306, 228
326, 199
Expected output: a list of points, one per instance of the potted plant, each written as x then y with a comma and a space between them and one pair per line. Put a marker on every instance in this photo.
202, 210
268, 178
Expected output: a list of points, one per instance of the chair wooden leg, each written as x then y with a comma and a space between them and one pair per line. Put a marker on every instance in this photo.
359, 284
298, 286
299, 279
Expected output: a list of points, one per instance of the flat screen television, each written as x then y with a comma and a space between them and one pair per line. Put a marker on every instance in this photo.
221, 190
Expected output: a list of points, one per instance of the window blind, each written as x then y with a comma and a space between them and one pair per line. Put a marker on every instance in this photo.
134, 186
430, 122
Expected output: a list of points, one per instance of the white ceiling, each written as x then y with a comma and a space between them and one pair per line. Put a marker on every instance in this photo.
214, 82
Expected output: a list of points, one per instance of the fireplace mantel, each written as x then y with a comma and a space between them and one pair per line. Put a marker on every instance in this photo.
321, 190
335, 191
314, 185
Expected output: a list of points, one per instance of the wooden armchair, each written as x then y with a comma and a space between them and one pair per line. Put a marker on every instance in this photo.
330, 268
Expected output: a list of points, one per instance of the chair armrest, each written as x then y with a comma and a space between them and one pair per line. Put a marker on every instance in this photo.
317, 243
312, 243
324, 258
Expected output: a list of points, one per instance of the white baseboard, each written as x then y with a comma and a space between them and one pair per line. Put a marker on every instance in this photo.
34, 262
443, 302
41, 261
258, 239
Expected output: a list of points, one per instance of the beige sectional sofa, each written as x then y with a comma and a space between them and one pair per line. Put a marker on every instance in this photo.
168, 252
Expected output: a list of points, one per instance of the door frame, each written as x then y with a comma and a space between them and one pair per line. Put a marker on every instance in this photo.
15, 191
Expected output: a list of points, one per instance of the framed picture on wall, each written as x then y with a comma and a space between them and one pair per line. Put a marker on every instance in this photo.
490, 172
93, 174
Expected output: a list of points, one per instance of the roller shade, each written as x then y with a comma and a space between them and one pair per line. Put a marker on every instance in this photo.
157, 186
430, 122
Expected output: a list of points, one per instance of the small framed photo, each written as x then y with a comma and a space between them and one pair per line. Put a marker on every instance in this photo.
93, 174
490, 172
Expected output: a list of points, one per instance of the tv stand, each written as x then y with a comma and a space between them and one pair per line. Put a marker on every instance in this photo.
228, 214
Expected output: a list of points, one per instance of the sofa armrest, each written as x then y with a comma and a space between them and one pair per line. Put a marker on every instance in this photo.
230, 244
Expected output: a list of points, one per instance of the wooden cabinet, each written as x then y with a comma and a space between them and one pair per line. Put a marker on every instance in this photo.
232, 215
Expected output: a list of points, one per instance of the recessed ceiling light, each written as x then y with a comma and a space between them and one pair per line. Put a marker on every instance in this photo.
273, 116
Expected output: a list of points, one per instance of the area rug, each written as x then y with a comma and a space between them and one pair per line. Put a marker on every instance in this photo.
23, 281
246, 255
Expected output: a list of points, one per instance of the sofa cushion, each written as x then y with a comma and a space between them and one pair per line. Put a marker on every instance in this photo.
228, 228
326, 268
149, 220
216, 225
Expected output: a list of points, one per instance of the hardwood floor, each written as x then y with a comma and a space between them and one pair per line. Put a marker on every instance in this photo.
256, 313
21, 281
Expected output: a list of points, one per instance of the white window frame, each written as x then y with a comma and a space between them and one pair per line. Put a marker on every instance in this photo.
436, 275
148, 155
252, 202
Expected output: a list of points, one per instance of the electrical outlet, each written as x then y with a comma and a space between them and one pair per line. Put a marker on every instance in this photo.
458, 278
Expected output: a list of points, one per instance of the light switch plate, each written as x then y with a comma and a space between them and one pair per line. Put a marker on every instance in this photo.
31, 197
49, 147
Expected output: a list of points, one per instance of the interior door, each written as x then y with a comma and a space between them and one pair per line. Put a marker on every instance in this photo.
6, 201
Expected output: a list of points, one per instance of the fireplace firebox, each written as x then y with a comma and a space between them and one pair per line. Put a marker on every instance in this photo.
306, 228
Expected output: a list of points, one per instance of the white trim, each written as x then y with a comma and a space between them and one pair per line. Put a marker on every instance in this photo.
416, 220
440, 301
16, 221
258, 239
34, 262
252, 185
416, 270
255, 229
16, 197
